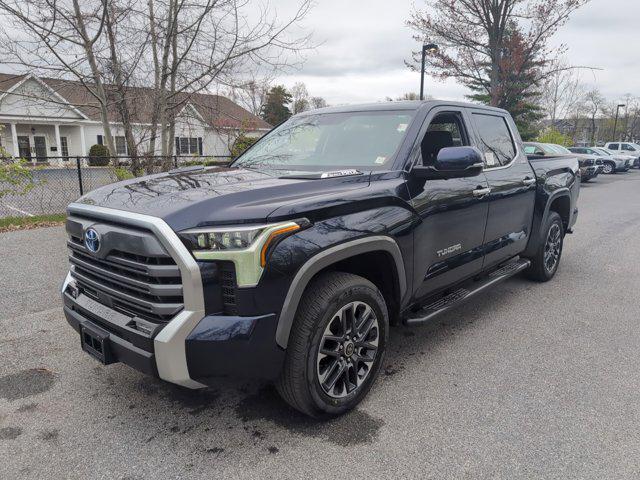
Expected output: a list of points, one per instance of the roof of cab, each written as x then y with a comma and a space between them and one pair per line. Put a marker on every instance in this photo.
399, 105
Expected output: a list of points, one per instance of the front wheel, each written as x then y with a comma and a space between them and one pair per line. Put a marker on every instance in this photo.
608, 168
544, 264
336, 347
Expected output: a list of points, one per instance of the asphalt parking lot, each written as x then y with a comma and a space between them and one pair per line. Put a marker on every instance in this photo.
530, 381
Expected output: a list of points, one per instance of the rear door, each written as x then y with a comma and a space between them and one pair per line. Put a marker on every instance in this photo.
512, 183
453, 213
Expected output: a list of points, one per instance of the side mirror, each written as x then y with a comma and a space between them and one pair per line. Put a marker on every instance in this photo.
452, 162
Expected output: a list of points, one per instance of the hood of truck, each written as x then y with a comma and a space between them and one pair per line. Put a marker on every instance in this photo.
191, 198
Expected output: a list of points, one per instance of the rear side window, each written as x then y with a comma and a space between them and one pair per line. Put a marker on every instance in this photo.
497, 143
614, 146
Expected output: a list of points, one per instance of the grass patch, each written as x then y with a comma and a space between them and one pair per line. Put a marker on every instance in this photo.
23, 223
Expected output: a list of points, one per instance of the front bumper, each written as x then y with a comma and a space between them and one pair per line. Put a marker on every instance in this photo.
120, 350
191, 346
218, 346
588, 173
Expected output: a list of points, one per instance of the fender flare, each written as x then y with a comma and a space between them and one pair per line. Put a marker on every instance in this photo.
537, 227
564, 192
322, 260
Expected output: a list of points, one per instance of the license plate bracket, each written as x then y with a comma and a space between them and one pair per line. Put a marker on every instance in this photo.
95, 341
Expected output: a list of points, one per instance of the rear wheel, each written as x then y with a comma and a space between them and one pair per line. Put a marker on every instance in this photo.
544, 264
336, 347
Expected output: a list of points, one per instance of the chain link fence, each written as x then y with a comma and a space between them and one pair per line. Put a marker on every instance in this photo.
54, 184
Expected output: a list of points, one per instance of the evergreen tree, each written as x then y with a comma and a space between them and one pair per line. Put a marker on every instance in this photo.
276, 110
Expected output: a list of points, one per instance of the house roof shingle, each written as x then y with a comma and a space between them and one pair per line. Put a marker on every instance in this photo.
215, 110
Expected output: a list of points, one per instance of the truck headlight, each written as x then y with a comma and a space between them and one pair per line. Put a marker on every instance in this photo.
245, 246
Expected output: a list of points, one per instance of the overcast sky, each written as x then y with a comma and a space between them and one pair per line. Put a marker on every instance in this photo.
364, 44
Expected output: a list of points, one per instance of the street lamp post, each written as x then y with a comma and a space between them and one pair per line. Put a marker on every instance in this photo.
615, 124
426, 48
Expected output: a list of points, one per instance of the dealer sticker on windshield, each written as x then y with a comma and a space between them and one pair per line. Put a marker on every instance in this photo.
402, 127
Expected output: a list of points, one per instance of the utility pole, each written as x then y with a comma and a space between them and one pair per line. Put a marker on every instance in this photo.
615, 124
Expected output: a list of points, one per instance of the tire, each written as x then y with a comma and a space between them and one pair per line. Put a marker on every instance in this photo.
608, 168
552, 239
305, 381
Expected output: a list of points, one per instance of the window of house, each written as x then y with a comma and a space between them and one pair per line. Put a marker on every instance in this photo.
189, 145
497, 142
64, 146
121, 145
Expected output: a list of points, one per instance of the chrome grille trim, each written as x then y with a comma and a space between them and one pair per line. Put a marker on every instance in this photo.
169, 344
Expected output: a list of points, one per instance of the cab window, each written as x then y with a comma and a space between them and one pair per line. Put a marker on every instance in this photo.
496, 140
445, 130
614, 146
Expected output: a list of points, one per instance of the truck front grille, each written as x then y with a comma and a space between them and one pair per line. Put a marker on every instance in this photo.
146, 286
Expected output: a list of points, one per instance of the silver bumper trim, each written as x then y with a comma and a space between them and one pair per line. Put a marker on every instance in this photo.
169, 344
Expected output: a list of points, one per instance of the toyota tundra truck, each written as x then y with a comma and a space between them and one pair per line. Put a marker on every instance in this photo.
291, 264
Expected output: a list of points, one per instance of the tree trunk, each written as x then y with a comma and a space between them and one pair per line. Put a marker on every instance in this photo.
121, 101
97, 78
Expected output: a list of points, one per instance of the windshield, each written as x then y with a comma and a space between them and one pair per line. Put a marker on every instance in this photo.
328, 140
603, 151
558, 148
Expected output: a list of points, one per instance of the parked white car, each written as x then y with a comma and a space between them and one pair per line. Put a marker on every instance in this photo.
615, 162
625, 148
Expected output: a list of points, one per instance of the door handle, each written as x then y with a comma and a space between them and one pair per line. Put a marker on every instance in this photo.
481, 192
528, 181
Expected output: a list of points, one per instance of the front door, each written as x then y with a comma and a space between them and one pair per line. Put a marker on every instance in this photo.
40, 147
513, 186
24, 147
453, 213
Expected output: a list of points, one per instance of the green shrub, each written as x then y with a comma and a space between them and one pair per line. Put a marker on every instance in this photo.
99, 156
242, 143
551, 135
123, 173
15, 178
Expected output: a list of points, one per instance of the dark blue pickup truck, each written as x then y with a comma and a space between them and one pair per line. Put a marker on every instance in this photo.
292, 263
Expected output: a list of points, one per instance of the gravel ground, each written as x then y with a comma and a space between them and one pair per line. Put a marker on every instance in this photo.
530, 381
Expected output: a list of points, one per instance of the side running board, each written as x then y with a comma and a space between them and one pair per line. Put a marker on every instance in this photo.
461, 295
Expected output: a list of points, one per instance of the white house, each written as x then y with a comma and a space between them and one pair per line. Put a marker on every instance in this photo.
52, 120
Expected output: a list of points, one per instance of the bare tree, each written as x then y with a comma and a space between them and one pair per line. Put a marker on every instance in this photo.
180, 48
202, 44
561, 90
59, 38
594, 102
317, 102
300, 96
252, 94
